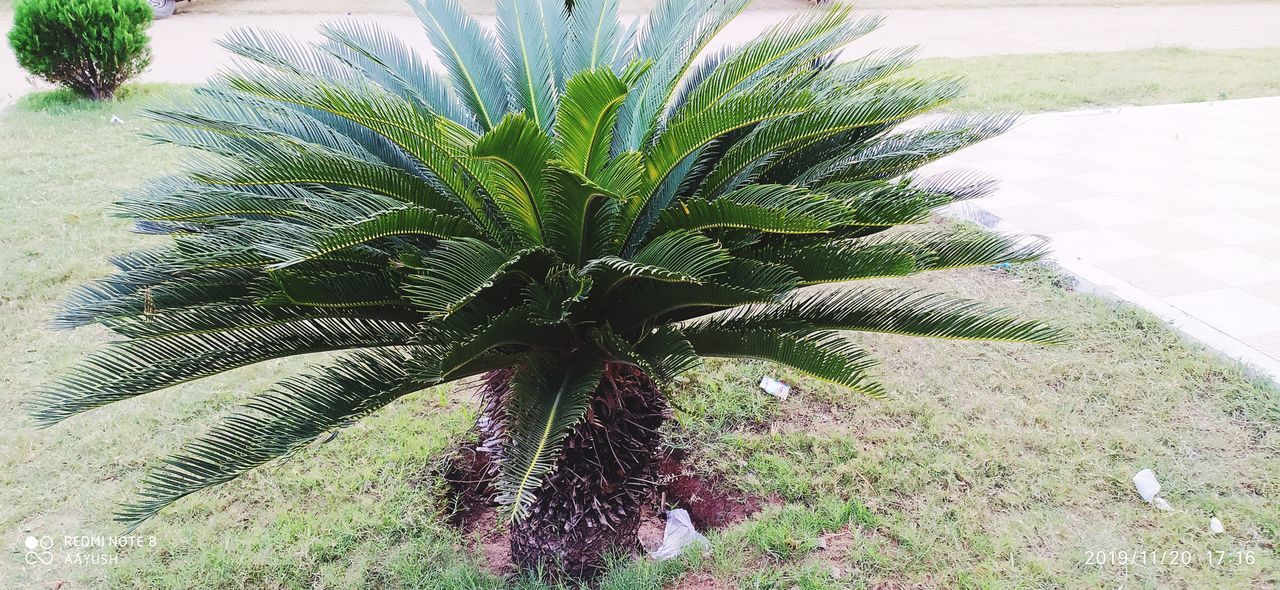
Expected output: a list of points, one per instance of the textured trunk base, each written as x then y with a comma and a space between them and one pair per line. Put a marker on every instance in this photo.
589, 508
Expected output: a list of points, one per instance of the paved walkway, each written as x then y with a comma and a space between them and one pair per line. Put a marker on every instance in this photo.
185, 50
1175, 208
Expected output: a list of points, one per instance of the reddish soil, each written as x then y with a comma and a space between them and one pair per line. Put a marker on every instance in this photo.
712, 504
485, 537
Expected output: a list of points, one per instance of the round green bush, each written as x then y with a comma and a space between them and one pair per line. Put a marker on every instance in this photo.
90, 46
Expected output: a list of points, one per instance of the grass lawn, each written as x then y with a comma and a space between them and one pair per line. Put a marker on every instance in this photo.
1060, 81
989, 466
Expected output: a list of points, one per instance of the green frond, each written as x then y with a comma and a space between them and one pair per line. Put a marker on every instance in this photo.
584, 124
836, 262
742, 282
517, 331
893, 155
552, 302
122, 370
828, 356
674, 257
682, 140
782, 138
227, 124
575, 216
594, 36
437, 144
667, 351
701, 215
458, 271
890, 311
528, 56
777, 209
868, 69
274, 425
133, 292
466, 50
963, 248
407, 221
334, 290
509, 163
670, 40
797, 41
383, 57
551, 398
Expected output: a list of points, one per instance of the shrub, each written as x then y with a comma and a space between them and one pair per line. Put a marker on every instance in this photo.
90, 46
572, 213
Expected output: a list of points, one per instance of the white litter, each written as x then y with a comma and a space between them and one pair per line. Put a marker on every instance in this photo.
775, 388
678, 535
1215, 526
116, 120
1162, 504
1147, 485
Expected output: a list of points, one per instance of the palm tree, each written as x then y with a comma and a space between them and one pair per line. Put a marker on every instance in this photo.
575, 209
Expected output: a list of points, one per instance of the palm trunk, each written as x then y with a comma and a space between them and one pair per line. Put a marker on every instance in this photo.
589, 508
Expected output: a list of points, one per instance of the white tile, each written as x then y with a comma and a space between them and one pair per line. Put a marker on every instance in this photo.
1097, 245
1231, 228
1234, 266
1231, 197
1232, 311
1042, 219
1014, 169
1121, 183
1166, 237
1109, 211
1234, 170
1008, 195
1056, 189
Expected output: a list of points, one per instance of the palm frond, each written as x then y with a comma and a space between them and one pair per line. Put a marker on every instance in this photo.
527, 55
682, 140
276, 424
891, 311
799, 40
383, 57
458, 271
551, 397
594, 36
575, 216
465, 48
122, 370
291, 247
586, 119
509, 163
823, 355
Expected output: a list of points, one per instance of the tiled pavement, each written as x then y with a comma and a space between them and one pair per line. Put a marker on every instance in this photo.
1176, 208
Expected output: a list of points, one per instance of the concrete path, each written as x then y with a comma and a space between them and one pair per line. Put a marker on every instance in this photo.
185, 50
1175, 208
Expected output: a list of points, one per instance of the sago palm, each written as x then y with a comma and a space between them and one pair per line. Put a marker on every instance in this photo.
576, 208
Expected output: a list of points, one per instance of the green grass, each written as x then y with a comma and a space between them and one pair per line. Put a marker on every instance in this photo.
989, 466
1061, 81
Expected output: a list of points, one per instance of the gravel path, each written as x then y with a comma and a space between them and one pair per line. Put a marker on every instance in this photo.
185, 50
